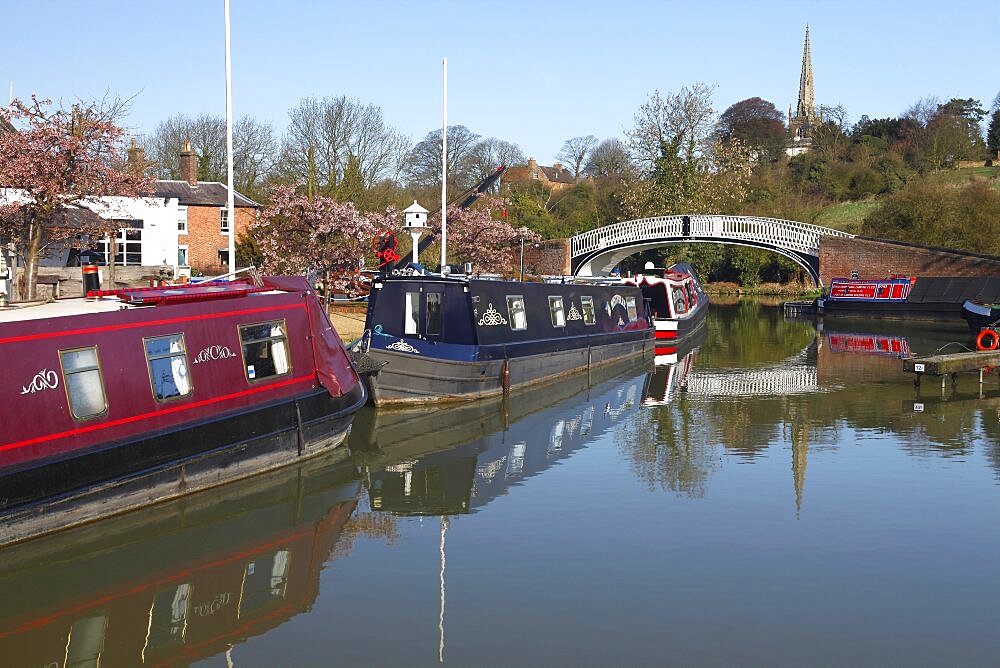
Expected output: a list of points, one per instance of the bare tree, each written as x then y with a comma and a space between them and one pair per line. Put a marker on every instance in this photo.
255, 152
424, 166
575, 151
610, 158
684, 120
207, 135
324, 134
490, 153
836, 114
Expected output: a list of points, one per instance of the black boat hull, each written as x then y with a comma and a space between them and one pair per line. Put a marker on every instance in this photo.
411, 380
67, 492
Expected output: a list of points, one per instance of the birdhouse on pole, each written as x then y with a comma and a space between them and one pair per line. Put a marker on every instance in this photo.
415, 222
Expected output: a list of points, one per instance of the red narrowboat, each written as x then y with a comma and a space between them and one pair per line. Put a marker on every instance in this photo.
161, 391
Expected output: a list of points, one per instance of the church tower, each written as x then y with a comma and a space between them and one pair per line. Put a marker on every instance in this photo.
800, 124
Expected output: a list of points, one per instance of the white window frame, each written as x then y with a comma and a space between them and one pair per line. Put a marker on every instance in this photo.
556, 311
224, 226
630, 307
182, 220
183, 248
411, 314
518, 317
587, 306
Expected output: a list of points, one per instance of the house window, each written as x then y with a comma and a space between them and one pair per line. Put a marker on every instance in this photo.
433, 312
630, 307
168, 368
265, 350
128, 244
182, 256
587, 304
411, 313
515, 309
182, 220
556, 311
224, 221
84, 385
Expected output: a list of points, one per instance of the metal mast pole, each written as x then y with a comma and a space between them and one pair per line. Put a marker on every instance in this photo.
444, 169
230, 213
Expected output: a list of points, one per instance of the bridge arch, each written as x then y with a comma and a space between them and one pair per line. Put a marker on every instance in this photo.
597, 251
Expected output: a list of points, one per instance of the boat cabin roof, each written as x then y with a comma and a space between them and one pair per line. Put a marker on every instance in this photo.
108, 301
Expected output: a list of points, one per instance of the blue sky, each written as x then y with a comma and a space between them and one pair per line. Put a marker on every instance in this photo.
534, 73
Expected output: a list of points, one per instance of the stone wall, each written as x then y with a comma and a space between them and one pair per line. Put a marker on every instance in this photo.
874, 258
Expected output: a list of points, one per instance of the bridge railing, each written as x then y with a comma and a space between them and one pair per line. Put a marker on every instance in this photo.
785, 234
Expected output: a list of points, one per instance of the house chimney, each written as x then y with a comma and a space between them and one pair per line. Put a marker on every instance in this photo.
189, 164
532, 168
136, 158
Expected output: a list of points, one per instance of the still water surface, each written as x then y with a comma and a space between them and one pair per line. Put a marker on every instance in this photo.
782, 495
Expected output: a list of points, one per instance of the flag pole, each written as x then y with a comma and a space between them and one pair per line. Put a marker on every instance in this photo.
230, 213
444, 168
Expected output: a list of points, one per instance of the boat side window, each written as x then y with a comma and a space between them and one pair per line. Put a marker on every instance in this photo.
265, 349
680, 303
411, 313
84, 385
433, 313
587, 304
515, 309
630, 307
692, 295
166, 357
556, 311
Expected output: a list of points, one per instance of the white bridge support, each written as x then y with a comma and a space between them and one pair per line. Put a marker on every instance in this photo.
597, 252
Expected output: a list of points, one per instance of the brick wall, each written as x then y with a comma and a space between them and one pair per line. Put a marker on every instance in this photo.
547, 257
872, 258
204, 240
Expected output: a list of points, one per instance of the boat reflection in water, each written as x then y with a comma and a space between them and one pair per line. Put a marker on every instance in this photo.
432, 462
670, 375
180, 581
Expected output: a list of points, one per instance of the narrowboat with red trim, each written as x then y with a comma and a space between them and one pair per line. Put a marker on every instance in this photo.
456, 337
162, 391
938, 298
678, 306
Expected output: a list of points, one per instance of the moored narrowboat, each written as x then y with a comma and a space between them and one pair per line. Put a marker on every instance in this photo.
440, 338
678, 306
166, 390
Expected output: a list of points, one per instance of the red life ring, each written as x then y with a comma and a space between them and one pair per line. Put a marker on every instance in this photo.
987, 339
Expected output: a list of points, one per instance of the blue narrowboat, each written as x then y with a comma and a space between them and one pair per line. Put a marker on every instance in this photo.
456, 337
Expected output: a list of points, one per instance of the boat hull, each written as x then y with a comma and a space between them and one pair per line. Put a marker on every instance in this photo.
68, 492
410, 379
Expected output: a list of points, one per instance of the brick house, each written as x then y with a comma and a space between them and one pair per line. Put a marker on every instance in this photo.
202, 226
555, 177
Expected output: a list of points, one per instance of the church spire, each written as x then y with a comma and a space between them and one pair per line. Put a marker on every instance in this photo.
806, 108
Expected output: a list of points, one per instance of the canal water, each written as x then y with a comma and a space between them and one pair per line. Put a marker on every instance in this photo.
782, 494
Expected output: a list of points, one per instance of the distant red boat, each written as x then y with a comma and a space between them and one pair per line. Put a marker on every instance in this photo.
166, 390
678, 307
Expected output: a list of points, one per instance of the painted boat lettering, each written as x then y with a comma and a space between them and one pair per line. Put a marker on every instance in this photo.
214, 353
43, 380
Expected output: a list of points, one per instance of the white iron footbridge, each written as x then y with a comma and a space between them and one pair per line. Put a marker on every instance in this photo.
596, 252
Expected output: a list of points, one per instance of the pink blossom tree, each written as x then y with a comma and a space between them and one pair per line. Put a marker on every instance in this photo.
481, 235
297, 234
56, 160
